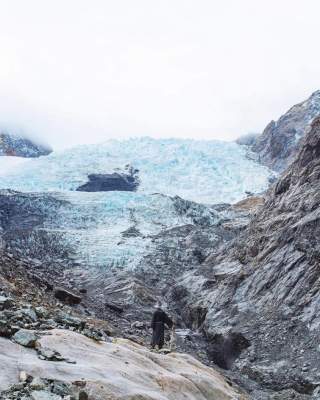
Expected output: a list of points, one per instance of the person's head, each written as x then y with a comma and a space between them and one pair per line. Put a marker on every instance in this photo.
158, 305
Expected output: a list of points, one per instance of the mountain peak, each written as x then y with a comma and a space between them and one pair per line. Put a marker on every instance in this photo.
20, 146
280, 141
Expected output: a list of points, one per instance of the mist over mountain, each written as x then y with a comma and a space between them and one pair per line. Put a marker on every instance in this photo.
15, 145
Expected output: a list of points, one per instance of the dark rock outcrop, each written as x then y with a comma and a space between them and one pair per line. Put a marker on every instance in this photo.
120, 181
22, 219
14, 145
67, 296
282, 139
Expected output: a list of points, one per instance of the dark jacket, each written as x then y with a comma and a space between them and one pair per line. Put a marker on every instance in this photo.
159, 320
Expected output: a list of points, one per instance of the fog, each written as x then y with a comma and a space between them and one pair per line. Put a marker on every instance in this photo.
76, 71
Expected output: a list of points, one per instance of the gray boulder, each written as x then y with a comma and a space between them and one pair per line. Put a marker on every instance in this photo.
25, 338
5, 302
67, 296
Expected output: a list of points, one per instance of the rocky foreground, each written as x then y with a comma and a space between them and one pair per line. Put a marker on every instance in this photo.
50, 353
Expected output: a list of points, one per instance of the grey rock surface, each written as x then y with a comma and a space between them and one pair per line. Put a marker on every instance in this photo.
25, 338
127, 181
260, 312
67, 296
282, 139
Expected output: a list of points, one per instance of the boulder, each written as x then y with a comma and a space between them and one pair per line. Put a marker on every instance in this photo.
37, 384
5, 302
25, 338
67, 296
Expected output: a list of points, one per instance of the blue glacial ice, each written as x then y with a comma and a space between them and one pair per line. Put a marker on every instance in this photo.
201, 171
95, 224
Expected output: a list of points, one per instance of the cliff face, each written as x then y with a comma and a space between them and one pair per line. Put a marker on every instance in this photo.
285, 234
281, 140
260, 295
13, 145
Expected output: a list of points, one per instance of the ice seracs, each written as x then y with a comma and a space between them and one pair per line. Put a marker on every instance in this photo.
175, 183
202, 171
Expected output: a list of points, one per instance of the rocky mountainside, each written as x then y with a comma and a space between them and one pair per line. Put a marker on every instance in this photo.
260, 294
282, 139
18, 146
247, 289
241, 280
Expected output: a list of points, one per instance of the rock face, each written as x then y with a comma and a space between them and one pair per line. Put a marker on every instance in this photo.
282, 139
111, 182
22, 221
117, 370
259, 296
13, 145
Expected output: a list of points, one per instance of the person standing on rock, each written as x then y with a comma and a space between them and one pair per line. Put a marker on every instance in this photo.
159, 320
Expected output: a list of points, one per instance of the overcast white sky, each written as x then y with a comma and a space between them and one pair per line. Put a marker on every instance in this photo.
82, 71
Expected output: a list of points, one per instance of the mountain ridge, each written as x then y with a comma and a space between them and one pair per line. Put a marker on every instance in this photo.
281, 140
21, 146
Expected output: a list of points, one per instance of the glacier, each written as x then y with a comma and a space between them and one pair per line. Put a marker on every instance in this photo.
180, 181
202, 171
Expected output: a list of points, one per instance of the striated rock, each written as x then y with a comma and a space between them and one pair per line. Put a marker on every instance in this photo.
281, 140
118, 370
251, 203
265, 286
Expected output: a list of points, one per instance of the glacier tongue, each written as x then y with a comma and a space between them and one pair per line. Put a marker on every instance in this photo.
115, 229
107, 229
202, 171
